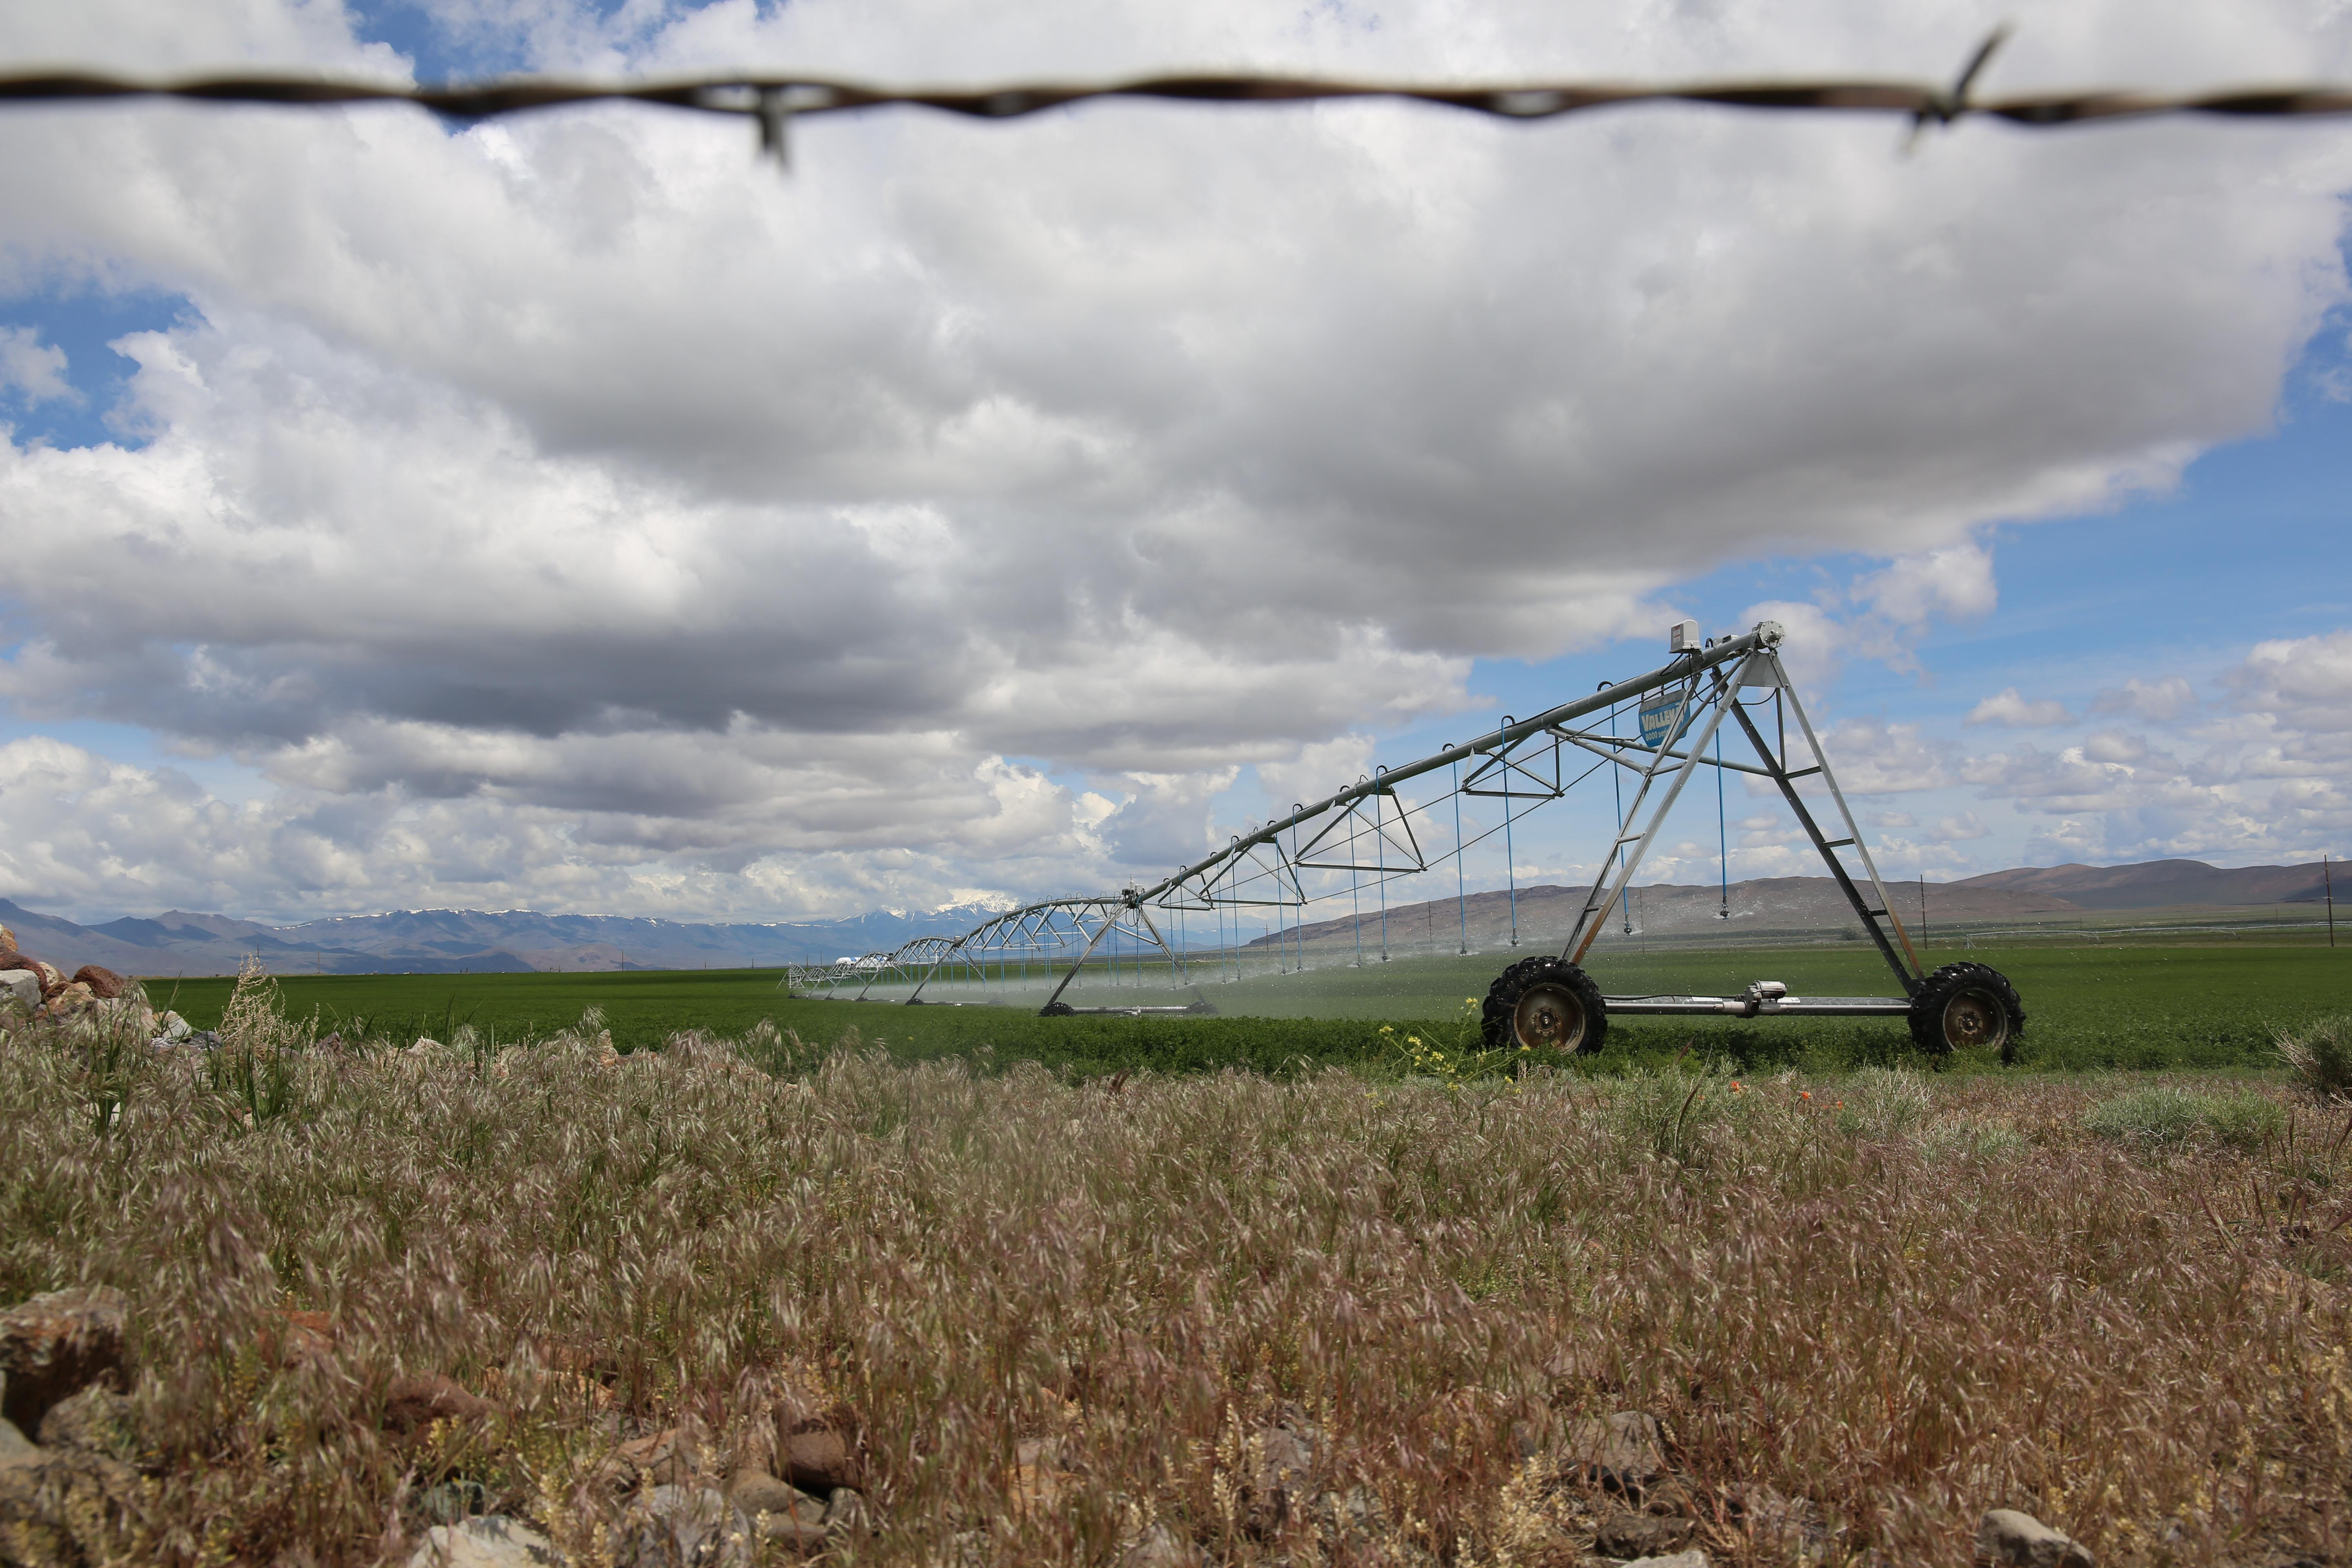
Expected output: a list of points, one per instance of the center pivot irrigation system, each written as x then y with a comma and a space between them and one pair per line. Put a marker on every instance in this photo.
1369, 830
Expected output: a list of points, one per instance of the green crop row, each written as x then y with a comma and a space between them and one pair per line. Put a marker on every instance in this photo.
2151, 1007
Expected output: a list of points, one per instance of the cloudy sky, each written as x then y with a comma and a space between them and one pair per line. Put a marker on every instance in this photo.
571, 512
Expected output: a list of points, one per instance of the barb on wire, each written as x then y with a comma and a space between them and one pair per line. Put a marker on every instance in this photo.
771, 102
1955, 103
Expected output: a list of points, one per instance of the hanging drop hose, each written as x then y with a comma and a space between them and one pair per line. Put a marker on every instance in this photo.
1722, 823
1355, 896
1510, 870
1617, 793
1381, 859
1461, 888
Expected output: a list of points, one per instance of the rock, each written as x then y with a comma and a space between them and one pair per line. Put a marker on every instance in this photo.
780, 1511
70, 1000
414, 1403
66, 1507
1621, 1452
23, 986
848, 1515
667, 1458
14, 1447
1642, 1535
1160, 1547
1352, 1511
757, 1493
57, 1344
309, 1339
104, 983
687, 1527
1279, 1484
491, 1540
204, 1040
423, 1045
1694, 1558
96, 1421
818, 1460
453, 1502
2015, 1539
50, 978
1038, 1476
173, 1027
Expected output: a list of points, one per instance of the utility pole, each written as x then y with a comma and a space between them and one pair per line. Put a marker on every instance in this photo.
2328, 881
1923, 908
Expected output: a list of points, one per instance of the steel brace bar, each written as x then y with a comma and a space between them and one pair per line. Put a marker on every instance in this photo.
1911, 973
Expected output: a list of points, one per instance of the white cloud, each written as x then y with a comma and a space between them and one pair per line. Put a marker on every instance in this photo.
783, 838
1871, 756
1960, 829
2260, 781
2301, 682
35, 369
2158, 701
580, 481
1954, 584
1316, 771
2010, 708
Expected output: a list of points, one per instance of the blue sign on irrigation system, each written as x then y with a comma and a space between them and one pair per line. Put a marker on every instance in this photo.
1664, 718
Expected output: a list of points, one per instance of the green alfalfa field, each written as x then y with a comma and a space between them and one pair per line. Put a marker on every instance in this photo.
2095, 1007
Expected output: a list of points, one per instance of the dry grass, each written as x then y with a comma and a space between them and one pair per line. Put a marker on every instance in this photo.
2319, 1056
1862, 1317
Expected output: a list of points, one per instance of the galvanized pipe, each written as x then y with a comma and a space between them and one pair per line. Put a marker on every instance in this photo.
1766, 635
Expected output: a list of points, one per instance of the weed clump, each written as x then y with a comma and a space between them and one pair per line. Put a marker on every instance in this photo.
2164, 1117
2320, 1058
1884, 1103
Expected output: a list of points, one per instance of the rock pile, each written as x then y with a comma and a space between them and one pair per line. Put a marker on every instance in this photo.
93, 994
1607, 1493
790, 1484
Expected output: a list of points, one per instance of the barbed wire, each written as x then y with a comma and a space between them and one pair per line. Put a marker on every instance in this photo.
774, 101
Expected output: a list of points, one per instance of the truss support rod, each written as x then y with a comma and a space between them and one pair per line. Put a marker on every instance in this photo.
1152, 926
1766, 636
1100, 931
1596, 908
953, 948
1822, 846
1583, 742
1861, 845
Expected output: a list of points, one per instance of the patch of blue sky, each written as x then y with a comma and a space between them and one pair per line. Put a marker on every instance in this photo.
82, 320
222, 777
444, 45
2250, 544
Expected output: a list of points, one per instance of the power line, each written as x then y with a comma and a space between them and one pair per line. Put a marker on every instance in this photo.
772, 101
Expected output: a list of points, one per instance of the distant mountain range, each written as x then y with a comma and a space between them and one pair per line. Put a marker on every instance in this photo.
2161, 884
444, 941
1814, 903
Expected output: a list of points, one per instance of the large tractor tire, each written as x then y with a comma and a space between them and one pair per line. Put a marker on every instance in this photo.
1967, 1007
1545, 1004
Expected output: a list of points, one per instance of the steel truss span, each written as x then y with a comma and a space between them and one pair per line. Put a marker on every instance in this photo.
1363, 838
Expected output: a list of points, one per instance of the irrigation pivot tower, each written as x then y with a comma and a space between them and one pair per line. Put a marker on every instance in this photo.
1546, 1002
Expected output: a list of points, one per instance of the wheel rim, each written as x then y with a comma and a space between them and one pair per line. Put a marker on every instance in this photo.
1548, 1018
1975, 1018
